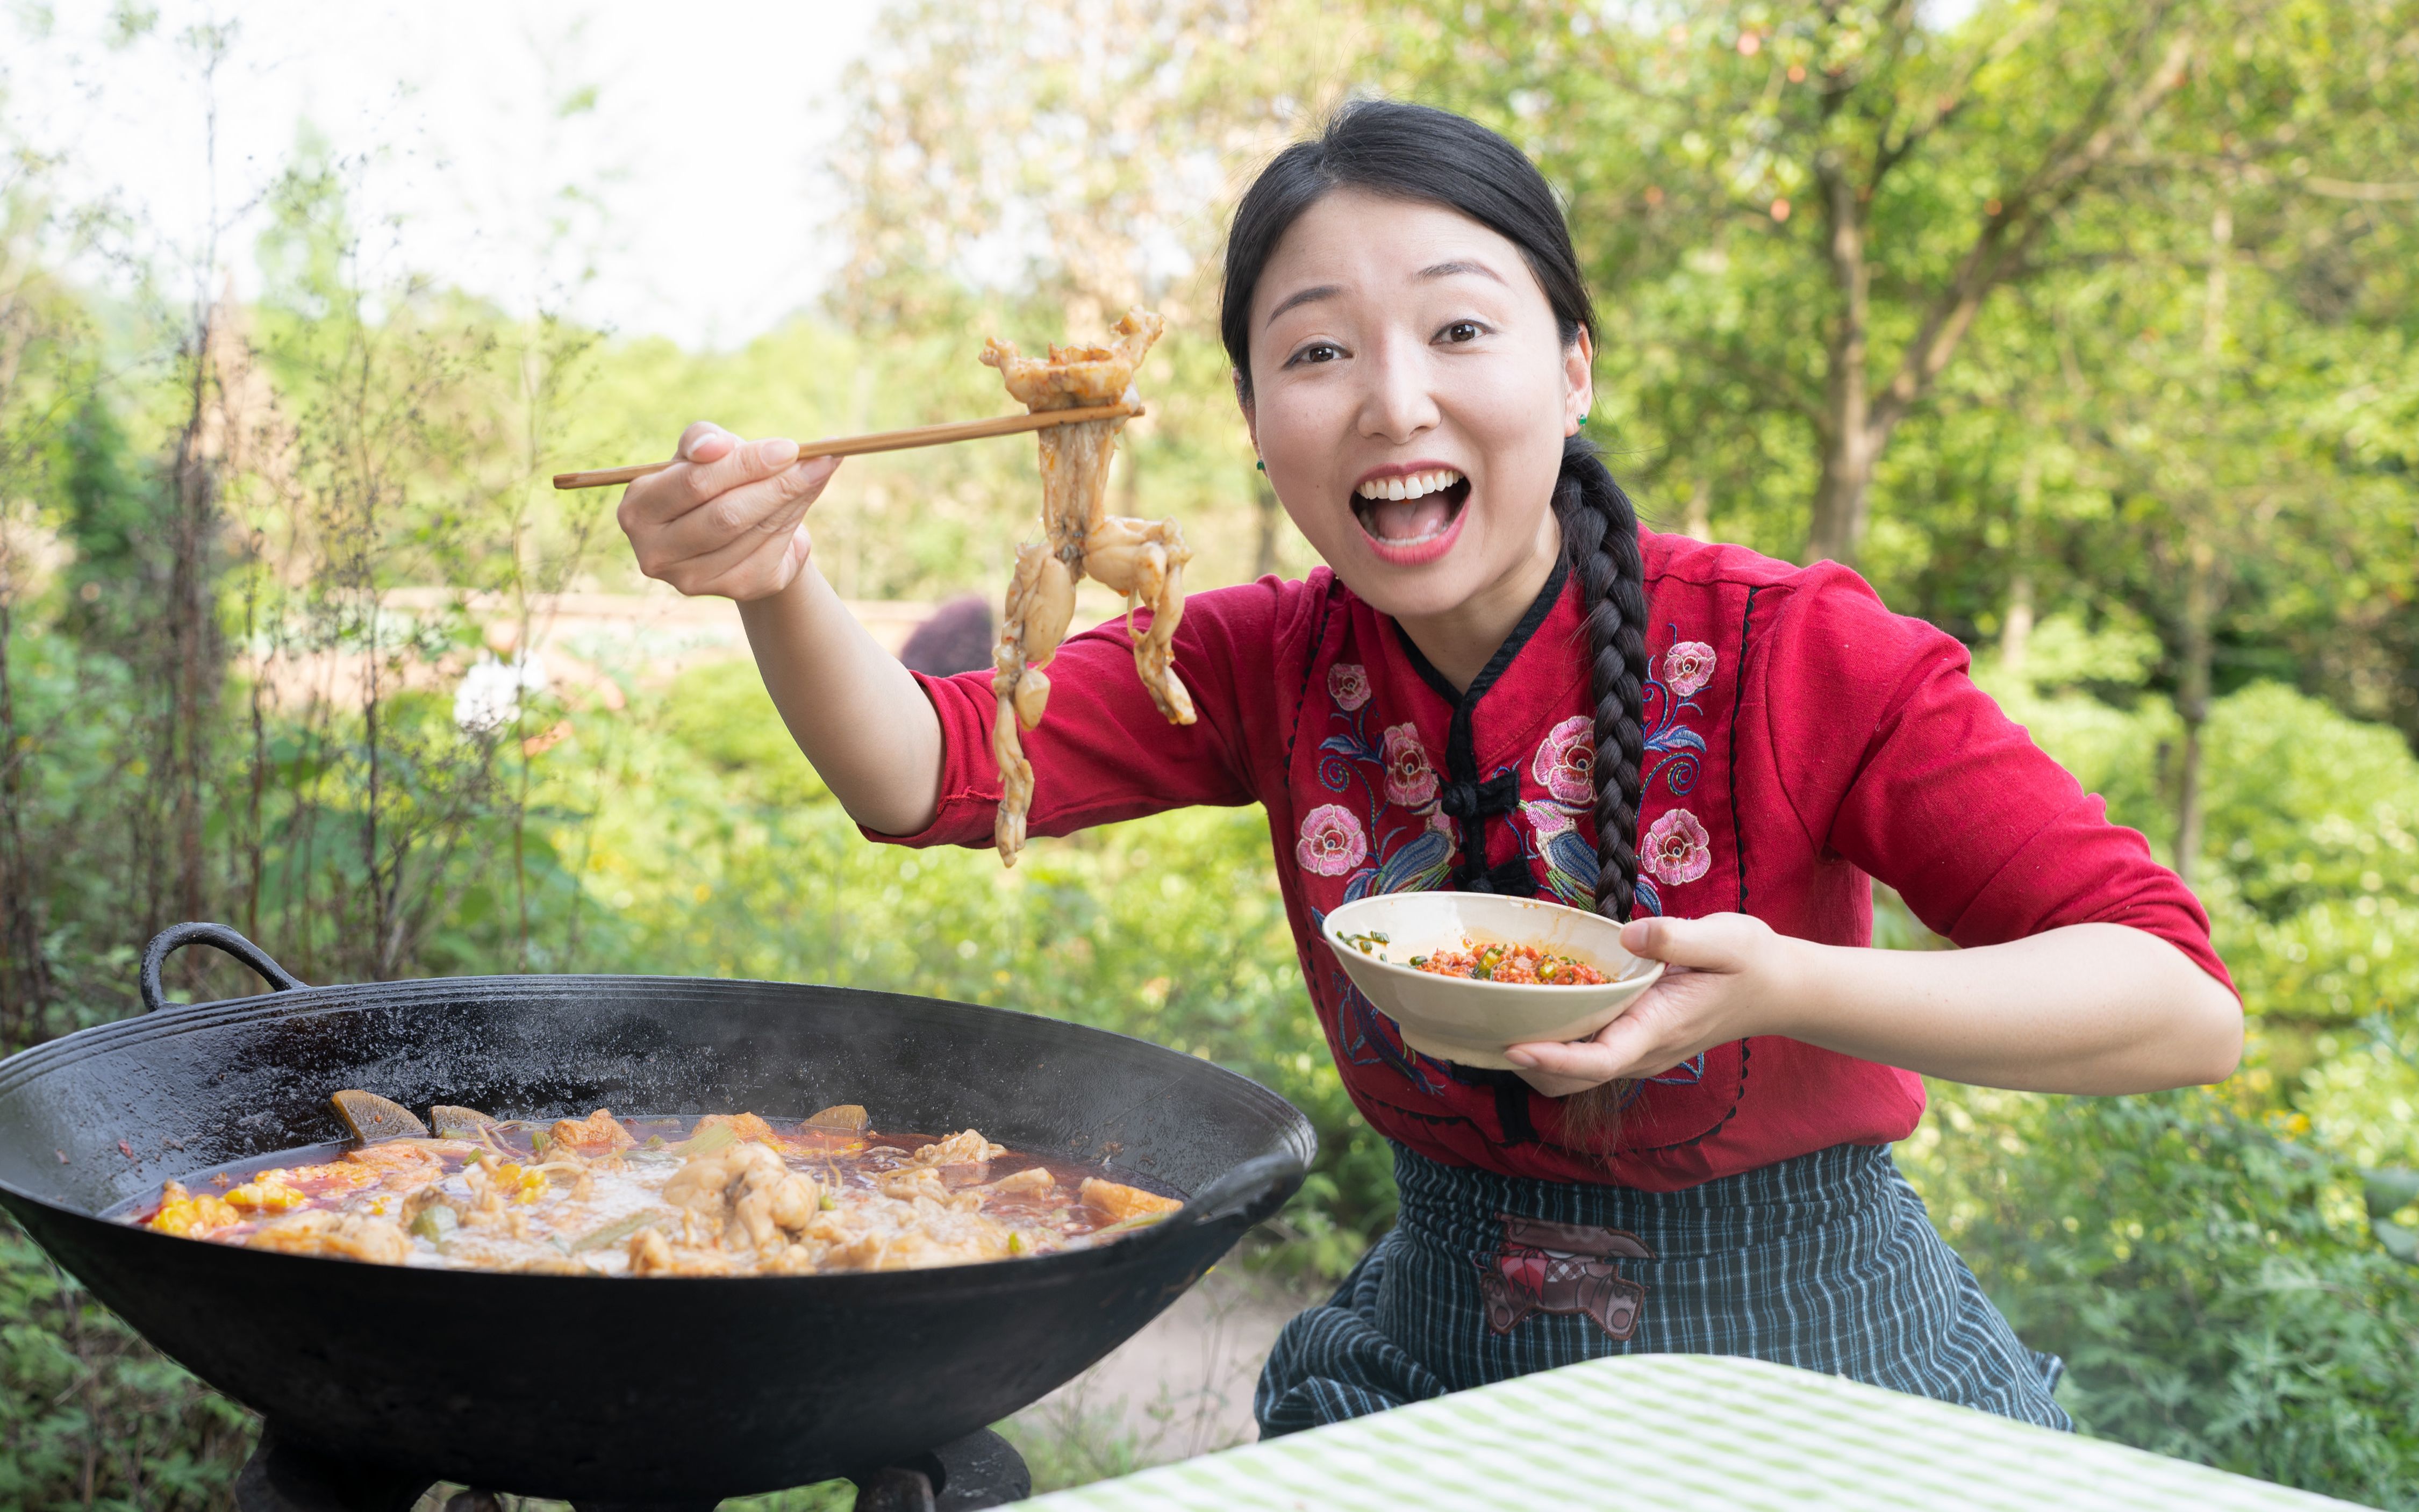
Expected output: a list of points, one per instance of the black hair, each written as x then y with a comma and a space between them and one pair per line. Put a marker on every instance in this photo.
955, 638
1414, 152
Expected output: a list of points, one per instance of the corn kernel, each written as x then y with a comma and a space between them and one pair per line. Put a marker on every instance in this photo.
184, 1214
266, 1193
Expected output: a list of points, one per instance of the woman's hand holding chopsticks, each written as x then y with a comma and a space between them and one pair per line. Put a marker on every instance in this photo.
727, 518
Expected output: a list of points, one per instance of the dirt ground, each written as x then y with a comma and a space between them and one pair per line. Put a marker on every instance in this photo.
1181, 1387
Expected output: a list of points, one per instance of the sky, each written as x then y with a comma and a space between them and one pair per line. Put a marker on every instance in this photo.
699, 131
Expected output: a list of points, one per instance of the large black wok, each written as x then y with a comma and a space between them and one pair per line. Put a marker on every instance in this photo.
635, 1390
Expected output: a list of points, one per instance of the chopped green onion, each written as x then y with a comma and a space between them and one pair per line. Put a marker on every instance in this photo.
435, 1222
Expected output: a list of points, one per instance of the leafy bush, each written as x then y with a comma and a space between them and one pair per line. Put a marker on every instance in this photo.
92, 1417
2314, 822
2216, 1289
2311, 870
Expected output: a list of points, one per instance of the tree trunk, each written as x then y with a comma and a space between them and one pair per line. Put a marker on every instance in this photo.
1698, 524
24, 974
2200, 552
1856, 419
2016, 630
1850, 448
2191, 695
1841, 498
194, 649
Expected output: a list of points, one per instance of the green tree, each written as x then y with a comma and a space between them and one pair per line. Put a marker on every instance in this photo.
1807, 212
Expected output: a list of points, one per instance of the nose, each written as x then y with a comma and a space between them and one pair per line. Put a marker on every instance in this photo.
1397, 404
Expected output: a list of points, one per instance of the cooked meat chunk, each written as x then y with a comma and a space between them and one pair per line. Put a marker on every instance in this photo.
1119, 1203
1141, 559
904, 1235
742, 1125
957, 1149
650, 1254
749, 1188
349, 1235
598, 1134
907, 1186
1035, 1179
736, 1198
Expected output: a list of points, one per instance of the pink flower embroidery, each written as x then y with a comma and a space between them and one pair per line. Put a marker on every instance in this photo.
1688, 666
1347, 684
1547, 819
1331, 842
1565, 760
1676, 849
1411, 781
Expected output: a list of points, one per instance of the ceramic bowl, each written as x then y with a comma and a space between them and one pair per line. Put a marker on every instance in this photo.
1469, 1022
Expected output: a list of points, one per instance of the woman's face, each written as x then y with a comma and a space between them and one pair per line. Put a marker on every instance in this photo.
1410, 396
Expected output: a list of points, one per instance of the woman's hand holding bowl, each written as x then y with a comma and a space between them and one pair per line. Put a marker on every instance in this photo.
1721, 982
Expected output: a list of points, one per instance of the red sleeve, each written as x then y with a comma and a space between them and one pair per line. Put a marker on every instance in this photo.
1897, 763
1103, 752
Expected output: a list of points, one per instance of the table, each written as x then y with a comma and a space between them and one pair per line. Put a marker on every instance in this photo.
1678, 1430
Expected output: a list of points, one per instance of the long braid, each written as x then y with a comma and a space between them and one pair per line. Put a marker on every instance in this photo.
1600, 539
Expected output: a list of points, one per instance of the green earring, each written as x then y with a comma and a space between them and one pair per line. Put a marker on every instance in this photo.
1582, 417
1262, 466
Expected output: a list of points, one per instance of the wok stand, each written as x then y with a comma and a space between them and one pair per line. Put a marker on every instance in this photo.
967, 1475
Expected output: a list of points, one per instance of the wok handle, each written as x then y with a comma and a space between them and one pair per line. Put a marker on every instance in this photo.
1256, 1188
177, 936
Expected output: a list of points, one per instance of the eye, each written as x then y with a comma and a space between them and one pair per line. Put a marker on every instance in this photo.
1318, 351
1461, 332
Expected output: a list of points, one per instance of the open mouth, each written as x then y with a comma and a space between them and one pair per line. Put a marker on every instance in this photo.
1419, 510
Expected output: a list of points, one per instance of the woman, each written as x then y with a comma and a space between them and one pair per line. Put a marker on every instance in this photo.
1500, 683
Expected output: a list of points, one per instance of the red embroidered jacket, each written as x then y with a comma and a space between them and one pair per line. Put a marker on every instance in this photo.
1800, 740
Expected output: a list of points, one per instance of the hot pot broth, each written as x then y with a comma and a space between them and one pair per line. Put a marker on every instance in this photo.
721, 1195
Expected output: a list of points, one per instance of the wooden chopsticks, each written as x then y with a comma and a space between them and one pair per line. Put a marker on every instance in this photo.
883, 441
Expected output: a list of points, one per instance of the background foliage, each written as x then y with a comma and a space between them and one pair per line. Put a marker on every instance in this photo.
2086, 330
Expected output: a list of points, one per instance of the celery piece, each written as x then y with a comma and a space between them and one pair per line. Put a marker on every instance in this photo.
1127, 1226
614, 1232
707, 1141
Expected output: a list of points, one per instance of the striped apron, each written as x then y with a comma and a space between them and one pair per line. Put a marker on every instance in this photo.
1826, 1261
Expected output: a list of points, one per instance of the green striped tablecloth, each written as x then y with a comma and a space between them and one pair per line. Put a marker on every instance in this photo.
1679, 1430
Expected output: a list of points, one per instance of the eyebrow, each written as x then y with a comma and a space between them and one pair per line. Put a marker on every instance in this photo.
1329, 291
1448, 270
1308, 296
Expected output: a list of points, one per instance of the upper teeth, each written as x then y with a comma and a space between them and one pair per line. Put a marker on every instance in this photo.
1413, 487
